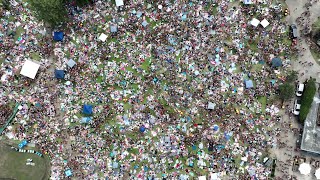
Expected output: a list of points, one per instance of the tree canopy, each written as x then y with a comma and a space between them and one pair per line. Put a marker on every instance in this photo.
52, 12
286, 91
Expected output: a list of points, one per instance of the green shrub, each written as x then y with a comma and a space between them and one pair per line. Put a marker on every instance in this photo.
307, 99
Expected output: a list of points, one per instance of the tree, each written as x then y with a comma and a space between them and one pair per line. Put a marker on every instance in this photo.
292, 76
307, 99
82, 2
286, 91
52, 12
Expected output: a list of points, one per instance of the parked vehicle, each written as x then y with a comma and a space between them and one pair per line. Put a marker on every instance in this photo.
293, 31
300, 89
297, 106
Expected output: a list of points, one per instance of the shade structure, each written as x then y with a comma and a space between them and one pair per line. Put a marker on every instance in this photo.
317, 173
142, 129
30, 69
305, 168
58, 36
87, 109
264, 23
211, 105
276, 62
59, 74
249, 84
119, 3
202, 178
113, 29
68, 173
144, 23
254, 22
103, 37
71, 63
247, 1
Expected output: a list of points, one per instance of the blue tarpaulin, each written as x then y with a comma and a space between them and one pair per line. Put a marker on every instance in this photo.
86, 119
23, 144
59, 74
87, 109
276, 62
249, 84
58, 36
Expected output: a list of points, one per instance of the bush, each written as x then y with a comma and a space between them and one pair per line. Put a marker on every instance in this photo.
307, 99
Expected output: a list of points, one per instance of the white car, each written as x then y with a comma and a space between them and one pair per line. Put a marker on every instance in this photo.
300, 89
296, 108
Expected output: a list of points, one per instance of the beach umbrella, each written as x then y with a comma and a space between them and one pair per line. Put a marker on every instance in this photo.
142, 129
305, 168
215, 128
317, 173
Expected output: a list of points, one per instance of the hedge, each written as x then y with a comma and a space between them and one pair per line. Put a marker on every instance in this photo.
307, 99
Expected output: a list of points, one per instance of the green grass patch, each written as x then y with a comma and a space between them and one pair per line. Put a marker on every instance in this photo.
263, 102
35, 56
19, 31
13, 165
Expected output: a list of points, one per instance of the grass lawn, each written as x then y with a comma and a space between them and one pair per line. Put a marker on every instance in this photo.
35, 56
13, 165
263, 101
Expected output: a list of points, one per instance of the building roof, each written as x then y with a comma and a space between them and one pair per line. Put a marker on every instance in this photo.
30, 69
311, 132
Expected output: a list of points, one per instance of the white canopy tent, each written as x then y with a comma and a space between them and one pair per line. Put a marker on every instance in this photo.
119, 3
317, 173
264, 23
103, 37
305, 168
202, 178
30, 69
254, 22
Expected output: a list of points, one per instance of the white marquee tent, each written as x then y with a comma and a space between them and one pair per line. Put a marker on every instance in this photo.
264, 23
103, 37
305, 168
317, 173
119, 3
202, 178
30, 69
255, 22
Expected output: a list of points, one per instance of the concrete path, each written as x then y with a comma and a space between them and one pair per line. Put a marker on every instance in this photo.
297, 8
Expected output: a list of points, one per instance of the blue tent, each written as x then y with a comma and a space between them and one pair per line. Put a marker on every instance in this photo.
142, 129
87, 109
58, 36
249, 84
276, 62
59, 74
23, 144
